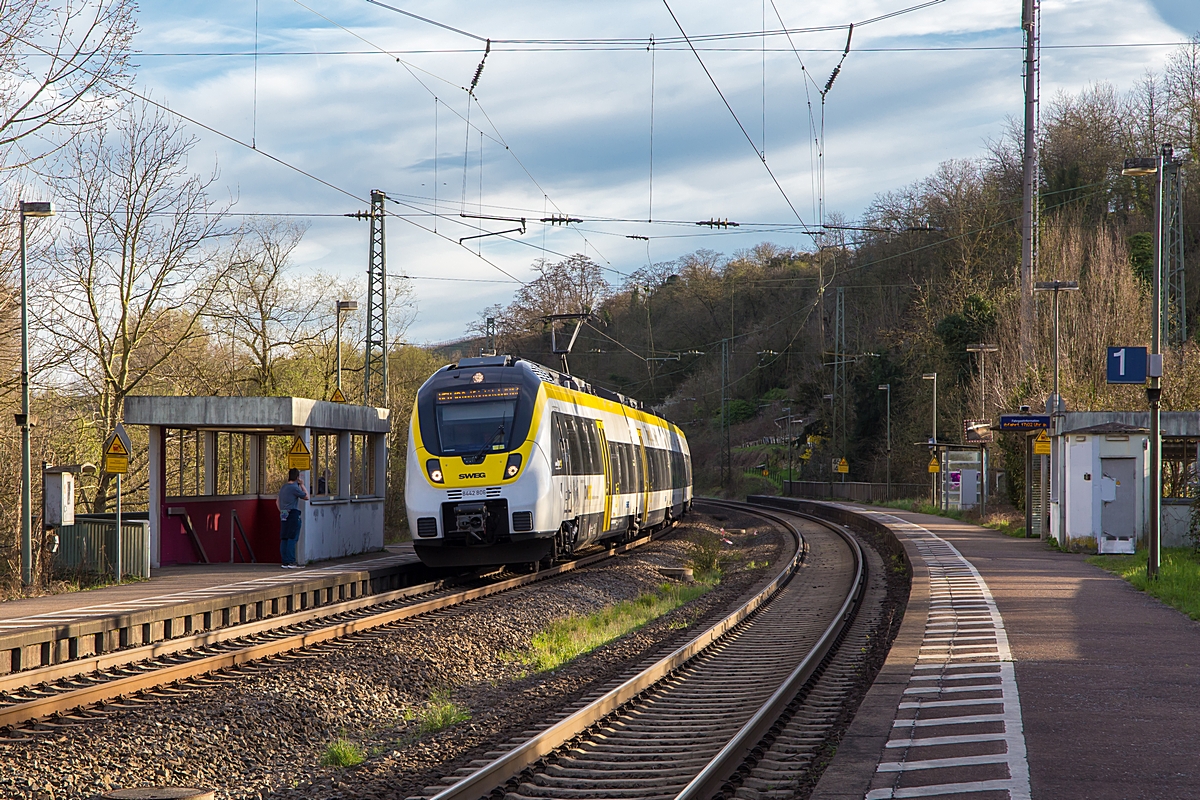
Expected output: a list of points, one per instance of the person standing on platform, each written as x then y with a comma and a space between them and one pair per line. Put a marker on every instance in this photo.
290, 495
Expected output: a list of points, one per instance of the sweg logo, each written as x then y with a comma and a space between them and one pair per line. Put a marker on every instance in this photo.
467, 475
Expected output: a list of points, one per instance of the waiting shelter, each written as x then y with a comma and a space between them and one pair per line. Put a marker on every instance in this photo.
216, 465
1101, 462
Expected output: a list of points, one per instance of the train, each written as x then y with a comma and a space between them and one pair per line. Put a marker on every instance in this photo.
513, 463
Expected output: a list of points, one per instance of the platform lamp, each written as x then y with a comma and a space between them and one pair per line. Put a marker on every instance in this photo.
887, 387
932, 376
1139, 167
1054, 405
28, 208
982, 350
342, 306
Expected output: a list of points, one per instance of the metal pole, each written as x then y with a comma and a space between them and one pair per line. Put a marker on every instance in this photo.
339, 347
889, 441
117, 564
1154, 391
1029, 178
26, 468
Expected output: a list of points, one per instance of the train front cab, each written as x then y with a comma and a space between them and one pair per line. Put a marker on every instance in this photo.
571, 484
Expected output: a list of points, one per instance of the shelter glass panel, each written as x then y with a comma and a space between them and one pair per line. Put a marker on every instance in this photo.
325, 464
184, 456
362, 465
232, 455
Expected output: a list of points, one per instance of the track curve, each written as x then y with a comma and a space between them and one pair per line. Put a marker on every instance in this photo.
681, 727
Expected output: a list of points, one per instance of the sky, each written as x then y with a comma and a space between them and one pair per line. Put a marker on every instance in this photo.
346, 96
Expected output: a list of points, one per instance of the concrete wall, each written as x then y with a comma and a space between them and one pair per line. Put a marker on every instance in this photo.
340, 527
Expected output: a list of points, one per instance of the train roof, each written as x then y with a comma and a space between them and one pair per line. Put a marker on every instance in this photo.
547, 375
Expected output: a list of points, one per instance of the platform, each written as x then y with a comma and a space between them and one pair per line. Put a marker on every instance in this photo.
180, 600
1021, 672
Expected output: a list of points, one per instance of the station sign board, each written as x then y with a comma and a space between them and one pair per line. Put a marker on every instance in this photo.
1126, 365
1024, 422
116, 452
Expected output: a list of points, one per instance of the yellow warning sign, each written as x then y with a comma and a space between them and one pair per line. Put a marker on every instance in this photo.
843, 466
1041, 445
299, 457
116, 452
934, 466
337, 396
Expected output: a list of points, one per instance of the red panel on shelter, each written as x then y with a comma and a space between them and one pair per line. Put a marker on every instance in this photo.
211, 519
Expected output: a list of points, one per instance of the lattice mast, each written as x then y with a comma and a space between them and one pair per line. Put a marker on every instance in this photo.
1174, 301
375, 361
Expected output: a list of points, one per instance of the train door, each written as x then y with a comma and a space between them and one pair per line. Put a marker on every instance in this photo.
606, 459
641, 457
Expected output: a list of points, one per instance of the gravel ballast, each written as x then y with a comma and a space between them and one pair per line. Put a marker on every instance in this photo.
261, 732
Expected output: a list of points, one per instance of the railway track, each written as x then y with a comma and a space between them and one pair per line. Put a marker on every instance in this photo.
714, 708
48, 698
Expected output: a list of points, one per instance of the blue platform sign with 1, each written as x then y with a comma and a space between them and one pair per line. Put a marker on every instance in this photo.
1126, 365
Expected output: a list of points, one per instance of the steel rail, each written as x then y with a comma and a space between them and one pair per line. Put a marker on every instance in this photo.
119, 658
63, 702
718, 771
487, 778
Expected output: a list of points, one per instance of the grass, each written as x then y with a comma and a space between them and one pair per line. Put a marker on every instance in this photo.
342, 752
567, 639
442, 712
1178, 583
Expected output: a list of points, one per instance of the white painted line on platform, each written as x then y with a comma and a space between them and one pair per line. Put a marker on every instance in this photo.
933, 741
959, 598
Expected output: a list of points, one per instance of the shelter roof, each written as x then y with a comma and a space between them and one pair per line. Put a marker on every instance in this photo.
255, 414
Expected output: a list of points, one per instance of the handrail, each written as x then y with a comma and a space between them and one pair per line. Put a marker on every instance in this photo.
235, 520
186, 521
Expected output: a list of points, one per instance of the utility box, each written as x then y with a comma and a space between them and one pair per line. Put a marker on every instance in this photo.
59, 498
1104, 484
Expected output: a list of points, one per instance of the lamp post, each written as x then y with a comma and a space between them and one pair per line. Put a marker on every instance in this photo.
887, 387
983, 350
29, 208
1054, 404
342, 306
1154, 166
932, 376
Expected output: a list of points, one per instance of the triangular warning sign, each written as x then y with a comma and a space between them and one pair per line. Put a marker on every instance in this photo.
934, 466
116, 448
337, 396
299, 448
1042, 438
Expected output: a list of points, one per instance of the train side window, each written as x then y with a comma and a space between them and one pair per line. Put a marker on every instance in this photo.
597, 440
617, 467
560, 447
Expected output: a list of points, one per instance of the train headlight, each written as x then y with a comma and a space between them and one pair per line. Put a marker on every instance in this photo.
434, 468
513, 466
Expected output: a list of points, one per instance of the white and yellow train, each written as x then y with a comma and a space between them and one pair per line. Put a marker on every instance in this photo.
510, 462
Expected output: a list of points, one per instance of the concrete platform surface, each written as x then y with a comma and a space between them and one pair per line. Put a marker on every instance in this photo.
180, 584
1023, 672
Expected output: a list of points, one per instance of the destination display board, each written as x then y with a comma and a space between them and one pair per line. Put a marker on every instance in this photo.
478, 393
1024, 422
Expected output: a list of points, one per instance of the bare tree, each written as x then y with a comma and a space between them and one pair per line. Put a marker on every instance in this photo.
135, 267
62, 63
263, 307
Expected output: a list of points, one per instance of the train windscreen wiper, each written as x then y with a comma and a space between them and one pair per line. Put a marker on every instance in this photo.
491, 440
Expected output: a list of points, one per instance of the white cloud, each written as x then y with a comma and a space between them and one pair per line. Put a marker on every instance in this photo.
579, 120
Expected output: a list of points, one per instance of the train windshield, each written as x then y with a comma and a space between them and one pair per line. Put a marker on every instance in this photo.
472, 427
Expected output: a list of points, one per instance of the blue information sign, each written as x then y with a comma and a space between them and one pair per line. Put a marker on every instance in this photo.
1024, 422
1126, 365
